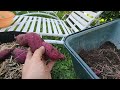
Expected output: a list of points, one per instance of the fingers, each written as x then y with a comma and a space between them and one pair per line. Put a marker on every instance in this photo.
29, 55
38, 53
50, 65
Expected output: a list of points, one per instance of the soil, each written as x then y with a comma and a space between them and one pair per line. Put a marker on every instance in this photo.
9, 68
104, 61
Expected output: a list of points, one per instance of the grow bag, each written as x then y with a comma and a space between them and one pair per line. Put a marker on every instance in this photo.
8, 36
91, 38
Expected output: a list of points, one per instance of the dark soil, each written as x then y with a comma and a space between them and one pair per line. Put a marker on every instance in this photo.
104, 61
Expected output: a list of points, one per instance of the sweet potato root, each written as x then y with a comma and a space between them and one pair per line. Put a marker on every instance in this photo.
21, 40
5, 53
19, 55
34, 41
52, 52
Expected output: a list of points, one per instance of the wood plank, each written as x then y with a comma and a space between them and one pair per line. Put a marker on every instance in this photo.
27, 24
77, 23
91, 13
83, 16
63, 28
22, 24
59, 30
49, 26
72, 26
54, 27
44, 25
38, 25
32, 27
66, 27
16, 23
79, 19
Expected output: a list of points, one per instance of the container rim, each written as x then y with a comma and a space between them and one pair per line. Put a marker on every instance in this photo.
76, 55
91, 28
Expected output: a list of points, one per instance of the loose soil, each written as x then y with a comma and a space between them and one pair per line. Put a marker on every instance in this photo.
104, 61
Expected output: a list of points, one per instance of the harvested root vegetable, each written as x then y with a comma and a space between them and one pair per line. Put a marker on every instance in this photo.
34, 41
19, 55
52, 52
5, 53
21, 40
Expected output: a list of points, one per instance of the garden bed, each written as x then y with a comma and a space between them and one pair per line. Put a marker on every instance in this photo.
104, 61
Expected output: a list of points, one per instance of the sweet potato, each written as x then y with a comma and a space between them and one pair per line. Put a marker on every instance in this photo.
19, 55
33, 40
52, 52
21, 40
5, 53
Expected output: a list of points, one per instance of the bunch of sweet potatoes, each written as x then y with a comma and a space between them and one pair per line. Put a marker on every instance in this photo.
34, 41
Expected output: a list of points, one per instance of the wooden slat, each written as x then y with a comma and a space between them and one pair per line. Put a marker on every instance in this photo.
38, 25
63, 28
3, 29
44, 25
54, 27
15, 17
76, 23
66, 27
78, 18
32, 27
15, 24
22, 23
49, 26
27, 24
91, 13
59, 30
83, 15
71, 25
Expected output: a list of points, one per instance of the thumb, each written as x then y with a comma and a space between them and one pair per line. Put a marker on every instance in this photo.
29, 55
39, 53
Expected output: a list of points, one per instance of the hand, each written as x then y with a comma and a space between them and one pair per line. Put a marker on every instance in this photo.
35, 66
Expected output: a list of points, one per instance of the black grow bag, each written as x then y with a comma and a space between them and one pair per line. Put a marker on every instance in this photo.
8, 36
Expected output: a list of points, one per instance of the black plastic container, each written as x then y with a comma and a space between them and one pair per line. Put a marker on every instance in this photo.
8, 36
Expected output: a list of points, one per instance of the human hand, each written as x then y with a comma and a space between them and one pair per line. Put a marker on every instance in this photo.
35, 66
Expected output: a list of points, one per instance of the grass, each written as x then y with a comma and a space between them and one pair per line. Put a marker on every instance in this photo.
62, 69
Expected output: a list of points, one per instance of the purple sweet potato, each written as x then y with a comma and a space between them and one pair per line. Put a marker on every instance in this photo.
21, 40
19, 55
5, 53
33, 40
52, 52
